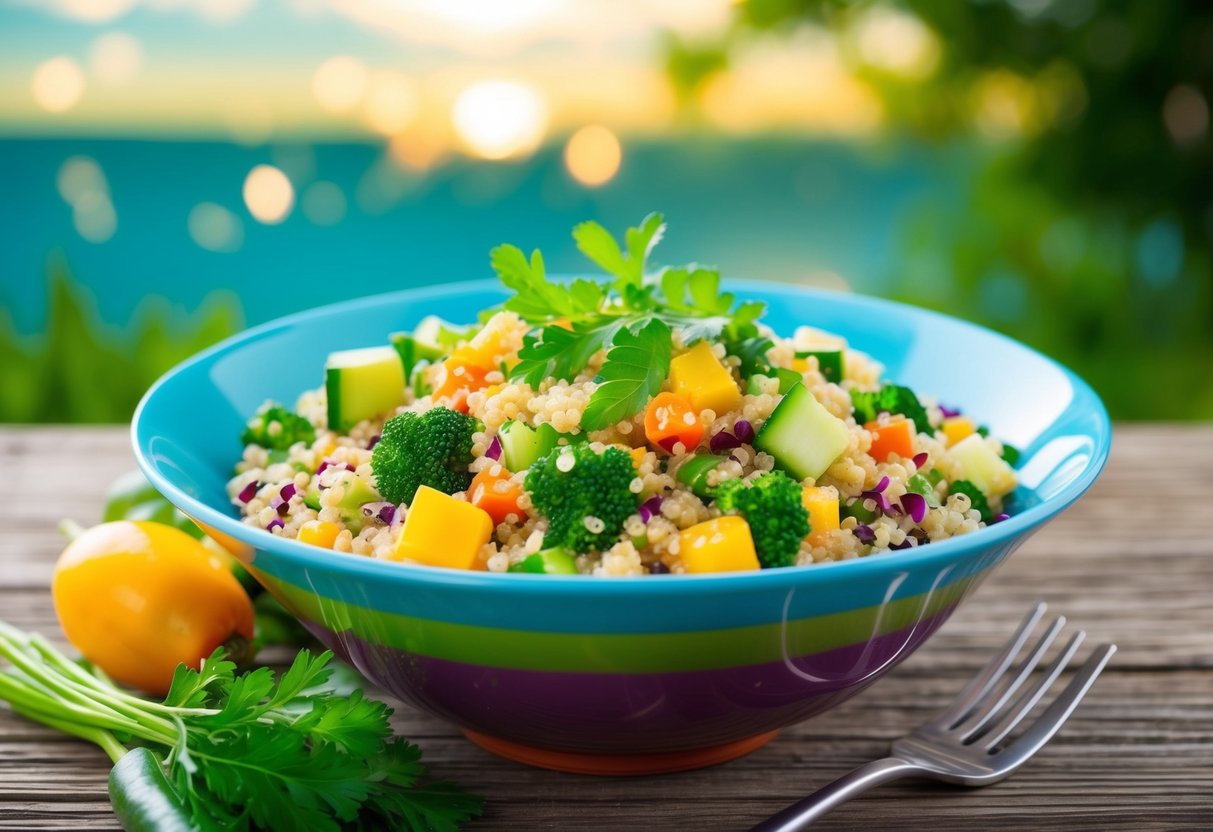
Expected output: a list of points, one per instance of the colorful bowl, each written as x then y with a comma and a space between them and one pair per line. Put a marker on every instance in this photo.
616, 675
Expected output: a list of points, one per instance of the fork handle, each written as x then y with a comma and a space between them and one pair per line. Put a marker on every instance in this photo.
803, 812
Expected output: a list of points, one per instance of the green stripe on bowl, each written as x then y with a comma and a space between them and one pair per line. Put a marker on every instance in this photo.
616, 653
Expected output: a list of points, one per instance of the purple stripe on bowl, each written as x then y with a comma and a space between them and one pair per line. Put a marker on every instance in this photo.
630, 713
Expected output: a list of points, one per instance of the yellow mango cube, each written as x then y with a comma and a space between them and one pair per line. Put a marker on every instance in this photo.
442, 531
700, 377
956, 428
822, 506
720, 545
320, 533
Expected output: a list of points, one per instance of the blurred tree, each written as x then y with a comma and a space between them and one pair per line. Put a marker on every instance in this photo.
1091, 230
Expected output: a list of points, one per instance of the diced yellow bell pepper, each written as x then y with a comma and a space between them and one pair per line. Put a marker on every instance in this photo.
699, 376
442, 531
638, 455
956, 428
720, 545
822, 507
320, 533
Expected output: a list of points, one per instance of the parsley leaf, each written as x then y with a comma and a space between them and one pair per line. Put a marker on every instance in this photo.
635, 367
596, 243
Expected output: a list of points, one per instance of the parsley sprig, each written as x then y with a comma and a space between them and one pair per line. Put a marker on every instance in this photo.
238, 751
631, 315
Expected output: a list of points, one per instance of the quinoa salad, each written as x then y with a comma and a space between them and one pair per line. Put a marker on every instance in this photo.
643, 424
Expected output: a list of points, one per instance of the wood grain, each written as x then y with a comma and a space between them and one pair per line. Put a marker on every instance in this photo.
1131, 563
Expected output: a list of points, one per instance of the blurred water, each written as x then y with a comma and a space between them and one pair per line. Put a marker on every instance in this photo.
773, 208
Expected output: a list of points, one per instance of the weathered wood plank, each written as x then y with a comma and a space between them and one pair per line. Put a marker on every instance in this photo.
1137, 755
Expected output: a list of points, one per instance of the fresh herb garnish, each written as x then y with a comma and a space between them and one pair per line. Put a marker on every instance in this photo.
228, 751
631, 317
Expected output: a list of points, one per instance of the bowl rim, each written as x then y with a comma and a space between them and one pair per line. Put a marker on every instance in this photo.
302, 555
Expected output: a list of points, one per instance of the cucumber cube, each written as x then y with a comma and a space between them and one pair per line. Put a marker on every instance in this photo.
802, 436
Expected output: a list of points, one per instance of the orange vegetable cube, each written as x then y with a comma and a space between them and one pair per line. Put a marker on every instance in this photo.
442, 531
956, 428
671, 419
822, 506
638, 455
720, 545
320, 533
893, 437
699, 376
493, 491
460, 374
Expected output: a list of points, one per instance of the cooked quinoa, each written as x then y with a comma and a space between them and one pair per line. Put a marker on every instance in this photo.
324, 488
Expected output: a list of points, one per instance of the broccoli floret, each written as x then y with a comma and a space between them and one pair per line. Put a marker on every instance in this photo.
585, 496
275, 428
891, 399
976, 496
432, 449
771, 504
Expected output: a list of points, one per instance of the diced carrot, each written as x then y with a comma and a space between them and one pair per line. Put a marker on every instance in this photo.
670, 419
492, 491
895, 437
460, 374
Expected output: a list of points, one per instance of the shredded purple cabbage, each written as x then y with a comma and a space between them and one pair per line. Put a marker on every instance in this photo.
744, 431
877, 496
915, 505
276, 523
999, 519
386, 512
249, 491
920, 460
494, 451
650, 508
282, 501
864, 533
723, 441
328, 463
948, 412
288, 491
908, 543
370, 446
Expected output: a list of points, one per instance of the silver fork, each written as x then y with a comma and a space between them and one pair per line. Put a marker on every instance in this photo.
963, 744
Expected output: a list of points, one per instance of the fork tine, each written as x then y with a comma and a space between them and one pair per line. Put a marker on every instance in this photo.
1028, 699
983, 682
981, 715
1060, 709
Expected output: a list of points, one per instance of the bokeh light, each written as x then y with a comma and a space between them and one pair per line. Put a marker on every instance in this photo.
215, 228
1186, 114
83, 185
340, 83
500, 119
57, 84
898, 42
91, 11
593, 155
268, 194
115, 58
391, 103
323, 203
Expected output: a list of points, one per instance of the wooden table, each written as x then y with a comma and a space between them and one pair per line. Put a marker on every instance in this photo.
1131, 563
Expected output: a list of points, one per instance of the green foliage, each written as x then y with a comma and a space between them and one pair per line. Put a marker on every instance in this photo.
771, 504
636, 366
277, 428
79, 370
573, 483
432, 449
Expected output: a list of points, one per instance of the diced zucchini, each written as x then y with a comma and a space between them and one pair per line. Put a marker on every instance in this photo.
522, 445
802, 436
362, 384
417, 381
413, 351
829, 363
554, 561
983, 467
694, 473
855, 508
787, 379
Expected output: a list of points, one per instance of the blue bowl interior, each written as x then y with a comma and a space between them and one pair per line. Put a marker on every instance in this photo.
186, 431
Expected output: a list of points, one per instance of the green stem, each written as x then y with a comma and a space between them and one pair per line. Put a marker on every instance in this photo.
49, 676
70, 529
33, 700
108, 743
